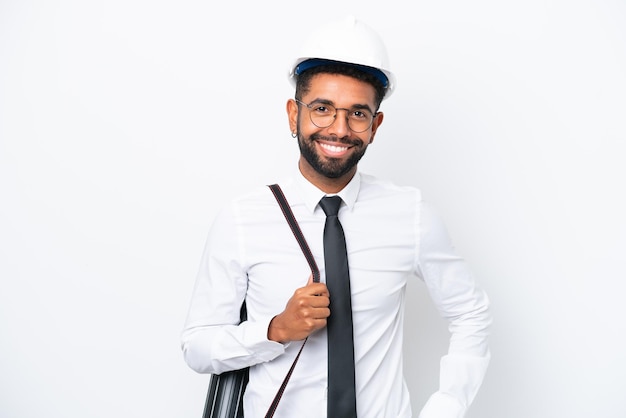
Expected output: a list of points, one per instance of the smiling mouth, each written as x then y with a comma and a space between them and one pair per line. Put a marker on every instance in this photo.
335, 149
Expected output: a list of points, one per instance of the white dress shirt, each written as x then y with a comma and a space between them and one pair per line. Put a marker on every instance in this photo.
391, 237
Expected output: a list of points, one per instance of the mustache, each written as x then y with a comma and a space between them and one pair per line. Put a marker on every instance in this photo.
345, 141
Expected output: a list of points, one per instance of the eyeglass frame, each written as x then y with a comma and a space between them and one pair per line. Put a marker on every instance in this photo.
322, 102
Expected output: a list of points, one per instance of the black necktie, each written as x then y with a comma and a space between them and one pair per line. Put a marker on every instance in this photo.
341, 391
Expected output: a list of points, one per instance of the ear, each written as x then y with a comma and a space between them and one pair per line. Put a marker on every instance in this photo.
292, 115
378, 120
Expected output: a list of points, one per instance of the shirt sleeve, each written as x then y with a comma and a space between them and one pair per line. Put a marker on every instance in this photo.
213, 339
466, 308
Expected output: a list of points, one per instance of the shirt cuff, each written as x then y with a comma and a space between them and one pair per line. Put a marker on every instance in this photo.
442, 405
255, 338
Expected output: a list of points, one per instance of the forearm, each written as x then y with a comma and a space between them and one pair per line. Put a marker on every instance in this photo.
462, 370
219, 348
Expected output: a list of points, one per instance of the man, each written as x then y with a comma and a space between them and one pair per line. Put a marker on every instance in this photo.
391, 236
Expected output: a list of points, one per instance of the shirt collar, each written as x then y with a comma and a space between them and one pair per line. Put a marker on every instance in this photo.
312, 195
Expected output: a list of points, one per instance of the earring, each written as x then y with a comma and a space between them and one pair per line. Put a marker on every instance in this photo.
294, 134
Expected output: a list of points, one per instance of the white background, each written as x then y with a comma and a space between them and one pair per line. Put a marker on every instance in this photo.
122, 122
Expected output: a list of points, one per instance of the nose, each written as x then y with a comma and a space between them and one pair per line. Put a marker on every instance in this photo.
340, 125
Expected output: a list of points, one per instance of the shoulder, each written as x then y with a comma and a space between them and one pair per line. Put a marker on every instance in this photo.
259, 195
255, 205
375, 188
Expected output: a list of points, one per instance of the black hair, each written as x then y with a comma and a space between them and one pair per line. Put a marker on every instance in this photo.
303, 81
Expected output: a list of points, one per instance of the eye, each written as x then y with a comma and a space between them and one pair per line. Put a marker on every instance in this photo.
321, 109
359, 114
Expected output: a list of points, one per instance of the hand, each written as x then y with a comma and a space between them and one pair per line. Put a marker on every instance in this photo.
306, 311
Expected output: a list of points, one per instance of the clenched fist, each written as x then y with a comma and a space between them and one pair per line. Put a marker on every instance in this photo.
306, 311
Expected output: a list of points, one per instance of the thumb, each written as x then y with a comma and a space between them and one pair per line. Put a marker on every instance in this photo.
310, 281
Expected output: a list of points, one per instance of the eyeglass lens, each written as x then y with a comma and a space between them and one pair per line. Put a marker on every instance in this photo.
324, 115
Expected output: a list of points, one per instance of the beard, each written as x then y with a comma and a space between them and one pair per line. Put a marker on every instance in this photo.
330, 167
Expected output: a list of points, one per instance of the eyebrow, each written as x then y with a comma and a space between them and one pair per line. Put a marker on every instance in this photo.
357, 106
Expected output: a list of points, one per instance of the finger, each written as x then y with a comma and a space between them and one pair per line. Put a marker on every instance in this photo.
320, 302
317, 289
321, 312
316, 314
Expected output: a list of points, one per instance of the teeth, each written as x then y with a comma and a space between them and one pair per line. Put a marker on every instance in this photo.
334, 148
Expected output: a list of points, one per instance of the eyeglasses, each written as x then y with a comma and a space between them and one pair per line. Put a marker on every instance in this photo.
323, 115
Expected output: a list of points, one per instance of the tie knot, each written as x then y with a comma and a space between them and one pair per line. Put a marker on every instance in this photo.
330, 205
